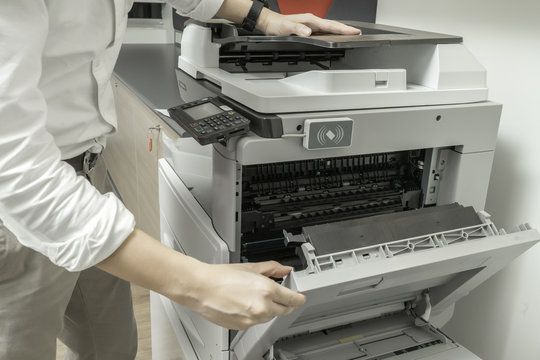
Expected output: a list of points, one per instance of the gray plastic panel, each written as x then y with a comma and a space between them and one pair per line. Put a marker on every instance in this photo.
474, 126
380, 229
344, 285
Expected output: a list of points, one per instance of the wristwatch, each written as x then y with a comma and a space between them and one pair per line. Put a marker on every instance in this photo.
251, 18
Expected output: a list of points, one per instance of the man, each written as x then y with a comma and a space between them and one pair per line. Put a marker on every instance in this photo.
62, 243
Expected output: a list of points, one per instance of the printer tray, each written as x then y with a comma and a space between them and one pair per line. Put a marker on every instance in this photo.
392, 337
371, 282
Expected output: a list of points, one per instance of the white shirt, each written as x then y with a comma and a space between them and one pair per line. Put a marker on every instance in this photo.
56, 102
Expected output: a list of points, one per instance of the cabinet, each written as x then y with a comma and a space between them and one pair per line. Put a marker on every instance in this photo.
132, 164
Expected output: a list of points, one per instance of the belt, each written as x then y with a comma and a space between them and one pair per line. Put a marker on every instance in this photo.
83, 163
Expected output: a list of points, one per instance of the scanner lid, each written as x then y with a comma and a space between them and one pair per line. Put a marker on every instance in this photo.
359, 284
229, 34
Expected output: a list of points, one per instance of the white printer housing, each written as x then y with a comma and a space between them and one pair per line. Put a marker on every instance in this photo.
417, 105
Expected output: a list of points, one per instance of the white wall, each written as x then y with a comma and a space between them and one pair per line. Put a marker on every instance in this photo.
501, 319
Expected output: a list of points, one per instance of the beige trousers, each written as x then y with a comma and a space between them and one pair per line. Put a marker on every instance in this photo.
91, 311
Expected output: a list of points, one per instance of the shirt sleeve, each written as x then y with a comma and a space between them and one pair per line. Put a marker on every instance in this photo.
42, 201
197, 9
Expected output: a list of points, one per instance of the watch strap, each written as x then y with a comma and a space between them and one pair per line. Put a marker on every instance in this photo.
251, 18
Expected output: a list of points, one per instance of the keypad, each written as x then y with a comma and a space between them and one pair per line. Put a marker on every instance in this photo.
215, 128
215, 124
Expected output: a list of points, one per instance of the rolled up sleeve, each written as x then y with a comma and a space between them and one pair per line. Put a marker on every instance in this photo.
42, 201
197, 9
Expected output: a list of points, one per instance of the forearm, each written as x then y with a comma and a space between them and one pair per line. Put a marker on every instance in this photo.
232, 295
146, 262
272, 23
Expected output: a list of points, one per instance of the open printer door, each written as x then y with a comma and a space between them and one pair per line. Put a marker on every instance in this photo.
423, 275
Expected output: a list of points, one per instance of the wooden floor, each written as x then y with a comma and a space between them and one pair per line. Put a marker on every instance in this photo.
141, 306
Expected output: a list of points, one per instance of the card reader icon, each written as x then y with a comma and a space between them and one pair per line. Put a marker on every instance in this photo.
325, 134
328, 133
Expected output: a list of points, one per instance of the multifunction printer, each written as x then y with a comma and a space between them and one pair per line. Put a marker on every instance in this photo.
362, 161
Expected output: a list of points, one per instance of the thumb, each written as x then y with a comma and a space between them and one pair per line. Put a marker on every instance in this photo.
271, 268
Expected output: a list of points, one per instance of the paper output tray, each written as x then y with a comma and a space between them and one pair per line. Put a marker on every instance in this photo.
391, 337
360, 284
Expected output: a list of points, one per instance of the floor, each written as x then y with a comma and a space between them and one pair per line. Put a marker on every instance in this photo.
141, 306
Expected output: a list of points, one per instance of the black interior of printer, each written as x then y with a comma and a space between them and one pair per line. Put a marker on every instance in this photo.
292, 195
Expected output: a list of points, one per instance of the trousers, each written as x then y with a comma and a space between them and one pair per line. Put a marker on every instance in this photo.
90, 311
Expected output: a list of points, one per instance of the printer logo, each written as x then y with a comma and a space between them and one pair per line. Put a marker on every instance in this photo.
335, 135
328, 133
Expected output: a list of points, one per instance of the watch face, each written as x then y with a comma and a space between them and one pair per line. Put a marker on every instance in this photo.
248, 24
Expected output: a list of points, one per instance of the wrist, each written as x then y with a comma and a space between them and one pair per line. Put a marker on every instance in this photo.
186, 283
262, 21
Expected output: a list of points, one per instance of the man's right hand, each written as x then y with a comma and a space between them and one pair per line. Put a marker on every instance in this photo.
237, 296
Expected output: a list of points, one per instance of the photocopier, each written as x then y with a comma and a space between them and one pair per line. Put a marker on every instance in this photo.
361, 161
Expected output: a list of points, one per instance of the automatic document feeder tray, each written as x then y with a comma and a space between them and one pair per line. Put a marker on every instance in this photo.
384, 298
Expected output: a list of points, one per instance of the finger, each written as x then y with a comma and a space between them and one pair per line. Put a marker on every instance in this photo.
339, 28
276, 309
334, 27
270, 311
278, 270
287, 297
328, 26
342, 28
297, 28
270, 268
288, 310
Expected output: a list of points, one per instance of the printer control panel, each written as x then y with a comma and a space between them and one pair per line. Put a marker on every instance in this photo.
210, 121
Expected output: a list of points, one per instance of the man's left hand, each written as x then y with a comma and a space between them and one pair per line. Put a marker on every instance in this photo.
272, 23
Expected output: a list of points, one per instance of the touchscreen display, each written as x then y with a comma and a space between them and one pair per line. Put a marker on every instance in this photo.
203, 110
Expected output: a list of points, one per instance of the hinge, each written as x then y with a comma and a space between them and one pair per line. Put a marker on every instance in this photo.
423, 319
270, 354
